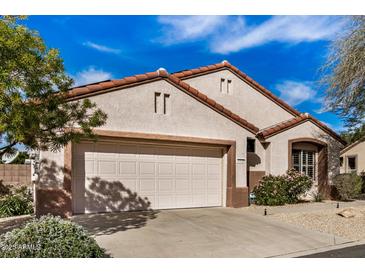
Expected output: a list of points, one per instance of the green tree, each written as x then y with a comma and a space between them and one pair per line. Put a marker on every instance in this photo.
345, 74
353, 134
34, 109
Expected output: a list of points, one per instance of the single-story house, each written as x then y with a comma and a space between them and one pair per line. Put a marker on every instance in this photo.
353, 157
201, 137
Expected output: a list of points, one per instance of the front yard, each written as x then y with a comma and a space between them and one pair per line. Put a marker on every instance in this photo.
321, 217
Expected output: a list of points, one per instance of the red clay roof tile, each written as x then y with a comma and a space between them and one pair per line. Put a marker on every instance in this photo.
257, 86
88, 90
278, 128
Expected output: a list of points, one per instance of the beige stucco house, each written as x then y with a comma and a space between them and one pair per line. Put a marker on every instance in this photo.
196, 138
353, 157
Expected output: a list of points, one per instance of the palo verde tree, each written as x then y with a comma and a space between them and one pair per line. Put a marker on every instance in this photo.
345, 76
34, 110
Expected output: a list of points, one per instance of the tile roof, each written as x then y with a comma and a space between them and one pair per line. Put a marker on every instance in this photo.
304, 117
110, 85
352, 145
225, 64
177, 80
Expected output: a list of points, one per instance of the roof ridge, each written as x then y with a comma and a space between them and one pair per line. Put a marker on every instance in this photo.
349, 146
161, 73
287, 124
251, 81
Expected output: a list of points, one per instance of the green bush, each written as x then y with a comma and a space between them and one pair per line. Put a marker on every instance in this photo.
348, 185
17, 202
49, 237
282, 189
4, 189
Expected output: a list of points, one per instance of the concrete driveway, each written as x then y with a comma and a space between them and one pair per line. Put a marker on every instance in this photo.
205, 232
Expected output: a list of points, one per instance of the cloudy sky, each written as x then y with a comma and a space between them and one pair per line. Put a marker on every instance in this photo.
283, 53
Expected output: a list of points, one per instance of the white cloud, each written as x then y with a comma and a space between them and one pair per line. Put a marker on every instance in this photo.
101, 48
295, 93
91, 75
179, 29
225, 34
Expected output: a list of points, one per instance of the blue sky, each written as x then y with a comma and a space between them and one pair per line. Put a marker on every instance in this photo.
283, 53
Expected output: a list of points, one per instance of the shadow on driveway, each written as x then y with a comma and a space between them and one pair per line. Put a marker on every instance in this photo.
110, 223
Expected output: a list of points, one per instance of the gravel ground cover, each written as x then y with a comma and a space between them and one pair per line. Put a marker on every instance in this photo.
320, 217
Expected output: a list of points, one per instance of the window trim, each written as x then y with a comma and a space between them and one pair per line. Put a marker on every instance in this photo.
307, 165
347, 163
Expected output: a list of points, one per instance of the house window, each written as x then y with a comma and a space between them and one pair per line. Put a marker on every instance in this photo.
351, 163
157, 102
166, 103
222, 85
303, 161
162, 103
341, 161
250, 145
229, 82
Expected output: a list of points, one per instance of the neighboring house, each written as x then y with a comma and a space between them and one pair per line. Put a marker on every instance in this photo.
353, 157
196, 138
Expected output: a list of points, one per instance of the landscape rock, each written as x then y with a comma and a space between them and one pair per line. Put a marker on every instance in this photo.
350, 213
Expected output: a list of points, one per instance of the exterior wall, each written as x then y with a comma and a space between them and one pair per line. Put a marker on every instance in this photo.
243, 99
15, 174
279, 148
358, 151
132, 110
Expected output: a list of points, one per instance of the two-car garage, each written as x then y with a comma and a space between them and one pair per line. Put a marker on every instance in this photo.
117, 175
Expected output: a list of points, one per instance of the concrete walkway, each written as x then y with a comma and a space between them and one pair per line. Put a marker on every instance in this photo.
208, 232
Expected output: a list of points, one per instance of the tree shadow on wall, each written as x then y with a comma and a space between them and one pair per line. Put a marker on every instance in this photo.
114, 196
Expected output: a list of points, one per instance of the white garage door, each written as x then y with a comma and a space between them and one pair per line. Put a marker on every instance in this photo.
120, 176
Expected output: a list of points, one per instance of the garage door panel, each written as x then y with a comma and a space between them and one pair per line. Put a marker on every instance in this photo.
129, 184
165, 169
147, 168
199, 200
166, 201
199, 185
213, 199
147, 185
166, 185
198, 169
183, 185
122, 176
183, 200
107, 167
128, 168
182, 169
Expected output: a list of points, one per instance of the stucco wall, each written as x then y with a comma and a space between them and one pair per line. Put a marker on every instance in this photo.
243, 99
359, 151
132, 109
279, 148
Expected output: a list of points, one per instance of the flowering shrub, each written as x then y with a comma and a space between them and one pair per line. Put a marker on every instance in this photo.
282, 189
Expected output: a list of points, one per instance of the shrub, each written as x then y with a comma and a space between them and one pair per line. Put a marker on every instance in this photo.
18, 201
5, 189
348, 185
282, 189
49, 237
317, 196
